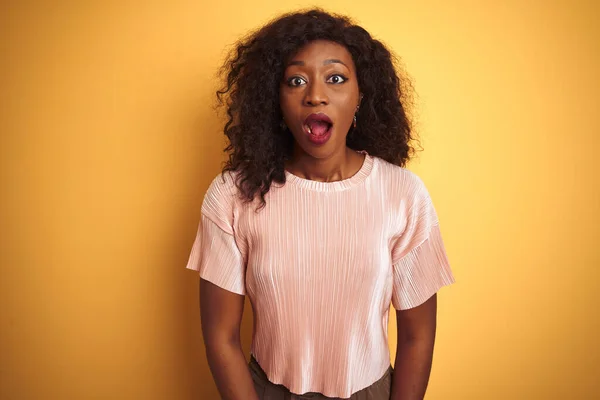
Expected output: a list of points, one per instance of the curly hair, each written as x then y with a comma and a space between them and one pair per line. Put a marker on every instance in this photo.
253, 72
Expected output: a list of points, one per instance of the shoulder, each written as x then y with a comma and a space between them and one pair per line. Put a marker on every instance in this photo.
220, 200
221, 187
408, 198
401, 182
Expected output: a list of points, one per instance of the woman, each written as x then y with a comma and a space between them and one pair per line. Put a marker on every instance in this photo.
316, 220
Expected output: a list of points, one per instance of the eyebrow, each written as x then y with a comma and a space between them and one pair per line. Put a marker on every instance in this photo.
330, 61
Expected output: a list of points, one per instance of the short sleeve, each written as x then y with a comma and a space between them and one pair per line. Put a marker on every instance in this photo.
215, 252
419, 260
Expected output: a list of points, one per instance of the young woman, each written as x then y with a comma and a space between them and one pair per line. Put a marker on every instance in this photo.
315, 219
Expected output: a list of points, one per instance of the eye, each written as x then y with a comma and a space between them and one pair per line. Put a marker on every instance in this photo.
295, 81
337, 79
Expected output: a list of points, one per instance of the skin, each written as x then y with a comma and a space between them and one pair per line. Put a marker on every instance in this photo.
221, 315
321, 77
416, 337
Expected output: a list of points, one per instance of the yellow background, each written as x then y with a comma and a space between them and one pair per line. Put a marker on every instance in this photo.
109, 141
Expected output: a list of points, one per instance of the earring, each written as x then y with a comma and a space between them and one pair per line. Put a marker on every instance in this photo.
356, 112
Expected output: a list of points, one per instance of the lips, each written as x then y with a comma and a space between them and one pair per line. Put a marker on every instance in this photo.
317, 124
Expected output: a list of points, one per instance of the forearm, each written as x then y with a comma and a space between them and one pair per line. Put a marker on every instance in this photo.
411, 369
230, 371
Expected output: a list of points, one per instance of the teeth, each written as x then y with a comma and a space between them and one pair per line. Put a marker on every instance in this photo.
308, 129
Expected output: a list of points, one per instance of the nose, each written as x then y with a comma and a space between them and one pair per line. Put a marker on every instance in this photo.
316, 95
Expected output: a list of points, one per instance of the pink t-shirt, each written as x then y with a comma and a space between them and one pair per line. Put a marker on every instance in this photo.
321, 264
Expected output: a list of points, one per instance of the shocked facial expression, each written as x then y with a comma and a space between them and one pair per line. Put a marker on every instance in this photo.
319, 96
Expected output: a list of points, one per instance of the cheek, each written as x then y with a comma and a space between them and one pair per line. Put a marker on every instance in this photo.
348, 105
285, 104
283, 101
285, 110
347, 99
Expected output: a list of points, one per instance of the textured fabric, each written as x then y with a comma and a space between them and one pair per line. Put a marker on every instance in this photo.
380, 390
321, 264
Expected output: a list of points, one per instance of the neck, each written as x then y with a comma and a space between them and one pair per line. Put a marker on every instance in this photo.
338, 166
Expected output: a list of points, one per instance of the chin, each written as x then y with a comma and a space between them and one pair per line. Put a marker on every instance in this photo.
322, 151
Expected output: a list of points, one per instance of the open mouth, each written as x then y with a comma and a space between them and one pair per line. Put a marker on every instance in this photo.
317, 124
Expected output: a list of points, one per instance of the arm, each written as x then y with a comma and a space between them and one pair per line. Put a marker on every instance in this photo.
221, 314
414, 354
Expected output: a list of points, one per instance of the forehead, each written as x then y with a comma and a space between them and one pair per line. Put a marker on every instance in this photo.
318, 51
